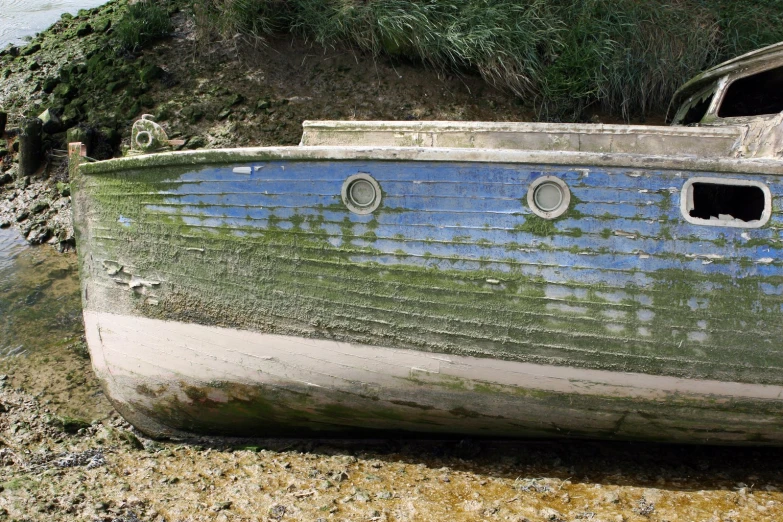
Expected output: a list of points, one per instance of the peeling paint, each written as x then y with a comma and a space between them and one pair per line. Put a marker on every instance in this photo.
453, 264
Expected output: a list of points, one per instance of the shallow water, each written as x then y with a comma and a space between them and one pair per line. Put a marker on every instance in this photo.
39, 296
41, 330
20, 18
11, 245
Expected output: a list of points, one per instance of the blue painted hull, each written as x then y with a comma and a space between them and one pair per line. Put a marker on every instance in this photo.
454, 262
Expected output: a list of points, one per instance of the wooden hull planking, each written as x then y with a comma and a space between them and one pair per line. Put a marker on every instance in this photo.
233, 292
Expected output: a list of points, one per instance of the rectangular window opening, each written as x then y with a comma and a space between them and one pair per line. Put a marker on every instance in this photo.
754, 95
727, 203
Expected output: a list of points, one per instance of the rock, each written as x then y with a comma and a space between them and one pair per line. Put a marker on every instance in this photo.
340, 476
277, 511
27, 226
72, 114
66, 91
83, 30
131, 439
51, 122
236, 99
110, 135
79, 135
644, 507
222, 506
133, 111
263, 104
31, 49
193, 113
22, 216
101, 26
146, 100
150, 73
33, 66
64, 189
5, 224
70, 424
3, 152
49, 84
5, 179
222, 115
551, 515
116, 86
135, 90
39, 207
195, 142
39, 235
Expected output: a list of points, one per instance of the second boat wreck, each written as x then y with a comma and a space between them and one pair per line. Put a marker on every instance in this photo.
445, 277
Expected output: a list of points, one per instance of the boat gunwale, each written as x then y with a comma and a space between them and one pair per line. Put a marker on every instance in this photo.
759, 166
479, 127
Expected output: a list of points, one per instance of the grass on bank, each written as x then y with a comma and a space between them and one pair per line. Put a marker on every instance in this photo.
565, 57
142, 23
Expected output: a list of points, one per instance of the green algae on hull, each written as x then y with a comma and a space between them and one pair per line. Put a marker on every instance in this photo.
308, 268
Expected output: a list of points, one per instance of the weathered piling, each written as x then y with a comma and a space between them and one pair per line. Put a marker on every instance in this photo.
30, 146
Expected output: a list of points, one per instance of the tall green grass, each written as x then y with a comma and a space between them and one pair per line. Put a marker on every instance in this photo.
142, 23
566, 57
626, 56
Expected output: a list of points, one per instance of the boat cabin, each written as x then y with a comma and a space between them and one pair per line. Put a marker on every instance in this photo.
734, 110
745, 89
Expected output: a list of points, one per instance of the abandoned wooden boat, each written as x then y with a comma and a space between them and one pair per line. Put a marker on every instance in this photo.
445, 277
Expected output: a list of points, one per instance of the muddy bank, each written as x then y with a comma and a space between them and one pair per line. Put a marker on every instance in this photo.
40, 209
211, 94
103, 471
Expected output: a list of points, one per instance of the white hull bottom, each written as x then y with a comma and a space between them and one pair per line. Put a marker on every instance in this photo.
169, 377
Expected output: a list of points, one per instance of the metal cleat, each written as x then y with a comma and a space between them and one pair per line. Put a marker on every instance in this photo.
147, 136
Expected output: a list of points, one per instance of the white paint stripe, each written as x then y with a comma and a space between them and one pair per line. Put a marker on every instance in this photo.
579, 159
168, 347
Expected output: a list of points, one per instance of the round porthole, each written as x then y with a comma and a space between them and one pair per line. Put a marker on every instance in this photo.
143, 139
361, 193
548, 197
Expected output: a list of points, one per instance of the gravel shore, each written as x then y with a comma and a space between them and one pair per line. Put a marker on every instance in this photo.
55, 468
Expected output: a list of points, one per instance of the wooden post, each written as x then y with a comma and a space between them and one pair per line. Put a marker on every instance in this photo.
30, 146
76, 151
3, 121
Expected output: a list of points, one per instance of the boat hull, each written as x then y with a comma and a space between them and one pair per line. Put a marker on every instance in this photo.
170, 377
235, 293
